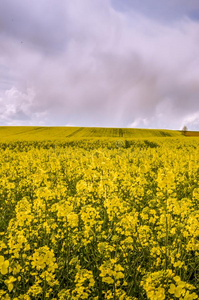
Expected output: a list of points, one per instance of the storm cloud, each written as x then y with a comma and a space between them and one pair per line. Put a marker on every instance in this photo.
99, 63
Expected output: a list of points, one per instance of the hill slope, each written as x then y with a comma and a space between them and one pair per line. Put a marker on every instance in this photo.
30, 133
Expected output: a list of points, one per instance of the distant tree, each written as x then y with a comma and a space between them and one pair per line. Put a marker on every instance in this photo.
184, 130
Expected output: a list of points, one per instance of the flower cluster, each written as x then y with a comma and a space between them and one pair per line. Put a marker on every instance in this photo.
97, 221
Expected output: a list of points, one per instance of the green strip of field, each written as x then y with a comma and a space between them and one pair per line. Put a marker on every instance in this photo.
32, 133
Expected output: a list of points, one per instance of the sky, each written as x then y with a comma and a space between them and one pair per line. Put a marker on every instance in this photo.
108, 63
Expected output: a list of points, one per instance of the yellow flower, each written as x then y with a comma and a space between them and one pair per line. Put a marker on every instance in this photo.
4, 264
172, 289
189, 296
9, 283
108, 280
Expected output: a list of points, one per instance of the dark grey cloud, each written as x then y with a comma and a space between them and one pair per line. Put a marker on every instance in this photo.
39, 24
161, 10
6, 78
97, 63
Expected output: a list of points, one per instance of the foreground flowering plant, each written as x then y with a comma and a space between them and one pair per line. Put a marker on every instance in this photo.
98, 221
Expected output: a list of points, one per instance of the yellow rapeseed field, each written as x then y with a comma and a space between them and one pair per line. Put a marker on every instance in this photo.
101, 219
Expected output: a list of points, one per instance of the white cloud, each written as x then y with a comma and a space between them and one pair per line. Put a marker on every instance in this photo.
191, 120
15, 107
